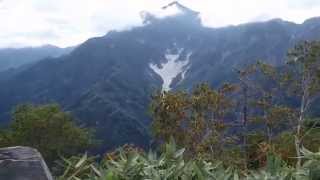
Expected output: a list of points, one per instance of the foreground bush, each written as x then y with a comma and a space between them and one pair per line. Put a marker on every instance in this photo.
171, 165
48, 129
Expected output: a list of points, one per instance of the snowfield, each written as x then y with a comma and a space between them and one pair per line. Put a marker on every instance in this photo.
171, 67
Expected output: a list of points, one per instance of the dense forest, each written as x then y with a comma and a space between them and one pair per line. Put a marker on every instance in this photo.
265, 125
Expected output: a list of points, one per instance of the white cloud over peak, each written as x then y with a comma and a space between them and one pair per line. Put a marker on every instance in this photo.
70, 22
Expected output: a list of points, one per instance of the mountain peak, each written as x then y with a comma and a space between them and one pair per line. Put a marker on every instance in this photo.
182, 8
186, 16
314, 20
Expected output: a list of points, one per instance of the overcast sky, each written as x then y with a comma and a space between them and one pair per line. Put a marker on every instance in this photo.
70, 22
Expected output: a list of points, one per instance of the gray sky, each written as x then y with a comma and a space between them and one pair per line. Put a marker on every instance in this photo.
70, 22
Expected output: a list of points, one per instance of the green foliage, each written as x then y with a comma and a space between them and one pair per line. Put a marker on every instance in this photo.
171, 164
197, 121
278, 169
47, 129
76, 168
312, 164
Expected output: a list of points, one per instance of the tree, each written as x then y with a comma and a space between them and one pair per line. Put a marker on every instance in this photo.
48, 129
247, 88
299, 83
303, 82
255, 100
197, 121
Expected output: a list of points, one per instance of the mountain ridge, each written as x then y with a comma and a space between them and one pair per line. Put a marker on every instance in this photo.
12, 58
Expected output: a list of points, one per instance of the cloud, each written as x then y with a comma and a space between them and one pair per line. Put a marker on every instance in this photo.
70, 22
261, 18
305, 4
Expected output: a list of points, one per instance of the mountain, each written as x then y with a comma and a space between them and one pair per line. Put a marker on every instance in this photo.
107, 81
11, 58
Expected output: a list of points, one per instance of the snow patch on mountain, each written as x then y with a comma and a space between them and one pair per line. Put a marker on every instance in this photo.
171, 68
186, 68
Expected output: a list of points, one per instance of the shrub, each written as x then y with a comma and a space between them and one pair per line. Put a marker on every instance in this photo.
48, 129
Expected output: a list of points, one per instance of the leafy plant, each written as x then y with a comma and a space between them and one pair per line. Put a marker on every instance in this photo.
171, 165
77, 168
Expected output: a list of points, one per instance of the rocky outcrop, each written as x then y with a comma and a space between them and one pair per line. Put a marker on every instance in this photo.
22, 163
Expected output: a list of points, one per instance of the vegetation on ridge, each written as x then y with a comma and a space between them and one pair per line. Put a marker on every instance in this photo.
172, 164
48, 129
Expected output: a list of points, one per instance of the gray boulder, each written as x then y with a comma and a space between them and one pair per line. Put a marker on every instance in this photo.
22, 163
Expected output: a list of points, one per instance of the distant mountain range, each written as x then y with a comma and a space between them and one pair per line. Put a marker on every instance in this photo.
107, 82
11, 58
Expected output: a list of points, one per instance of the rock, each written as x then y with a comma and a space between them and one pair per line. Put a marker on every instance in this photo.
22, 163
